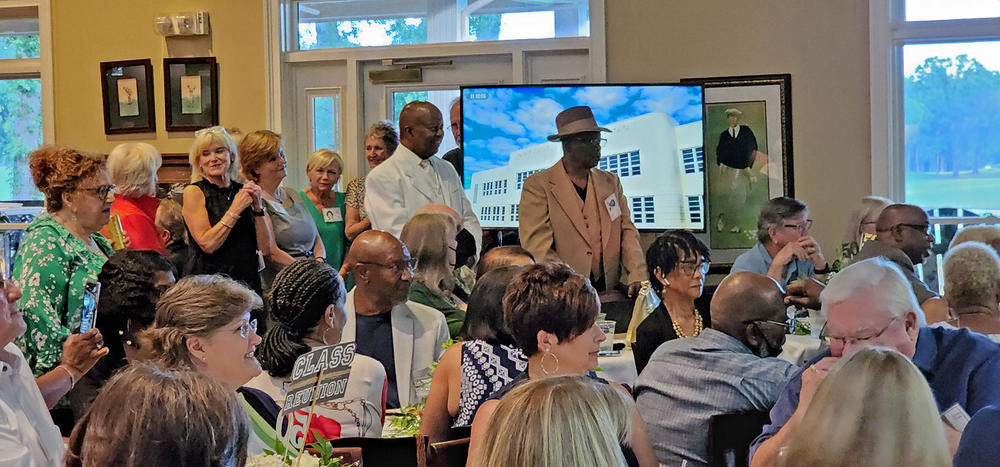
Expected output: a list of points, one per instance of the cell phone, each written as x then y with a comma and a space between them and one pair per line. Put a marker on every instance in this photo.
956, 416
91, 292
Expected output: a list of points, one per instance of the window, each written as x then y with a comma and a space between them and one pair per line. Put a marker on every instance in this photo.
366, 23
642, 210
22, 108
694, 160
522, 176
514, 210
623, 165
324, 120
937, 131
694, 209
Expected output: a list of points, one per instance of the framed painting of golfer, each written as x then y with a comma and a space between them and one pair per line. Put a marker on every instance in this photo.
748, 156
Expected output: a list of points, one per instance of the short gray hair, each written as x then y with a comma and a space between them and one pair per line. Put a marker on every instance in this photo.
774, 213
132, 168
878, 279
971, 275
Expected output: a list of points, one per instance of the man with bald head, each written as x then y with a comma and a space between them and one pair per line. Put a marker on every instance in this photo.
412, 177
404, 336
728, 368
902, 235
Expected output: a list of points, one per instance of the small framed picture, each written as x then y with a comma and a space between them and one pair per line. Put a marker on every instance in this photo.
127, 95
191, 93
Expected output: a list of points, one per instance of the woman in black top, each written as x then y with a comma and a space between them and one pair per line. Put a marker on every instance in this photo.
225, 218
677, 264
552, 312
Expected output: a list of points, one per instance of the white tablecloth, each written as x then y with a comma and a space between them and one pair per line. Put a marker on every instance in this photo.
621, 368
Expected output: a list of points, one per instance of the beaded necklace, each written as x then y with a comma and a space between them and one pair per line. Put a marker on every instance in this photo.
698, 326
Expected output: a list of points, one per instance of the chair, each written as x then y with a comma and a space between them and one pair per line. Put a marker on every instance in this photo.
448, 453
730, 435
397, 452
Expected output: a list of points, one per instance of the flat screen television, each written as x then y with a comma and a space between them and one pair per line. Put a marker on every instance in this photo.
655, 147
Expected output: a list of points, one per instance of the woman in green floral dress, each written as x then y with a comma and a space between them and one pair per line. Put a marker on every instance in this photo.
62, 250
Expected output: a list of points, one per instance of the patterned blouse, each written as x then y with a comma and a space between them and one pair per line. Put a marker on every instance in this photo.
485, 369
52, 267
356, 195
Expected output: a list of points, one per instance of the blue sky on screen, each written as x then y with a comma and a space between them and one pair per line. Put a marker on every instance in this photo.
498, 121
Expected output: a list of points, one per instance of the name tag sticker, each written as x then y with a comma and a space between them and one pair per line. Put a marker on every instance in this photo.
614, 210
332, 215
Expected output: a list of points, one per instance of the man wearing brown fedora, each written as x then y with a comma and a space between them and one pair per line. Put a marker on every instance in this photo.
575, 213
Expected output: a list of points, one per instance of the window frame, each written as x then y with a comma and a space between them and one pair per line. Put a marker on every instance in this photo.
36, 68
889, 32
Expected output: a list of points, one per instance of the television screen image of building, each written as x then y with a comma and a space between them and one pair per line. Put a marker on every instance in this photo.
655, 147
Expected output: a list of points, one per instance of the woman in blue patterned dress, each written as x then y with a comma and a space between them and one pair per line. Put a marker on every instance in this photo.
484, 362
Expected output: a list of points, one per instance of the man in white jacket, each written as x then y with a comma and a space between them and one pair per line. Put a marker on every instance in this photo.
406, 337
412, 177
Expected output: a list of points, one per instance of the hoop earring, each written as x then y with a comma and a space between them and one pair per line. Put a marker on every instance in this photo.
324, 336
542, 363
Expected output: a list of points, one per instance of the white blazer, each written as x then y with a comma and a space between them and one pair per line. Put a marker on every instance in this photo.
397, 187
419, 333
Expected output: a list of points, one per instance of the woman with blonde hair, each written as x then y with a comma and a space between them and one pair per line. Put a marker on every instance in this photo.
861, 226
327, 206
291, 229
988, 234
224, 217
381, 141
874, 407
431, 240
132, 168
561, 421
172, 418
972, 288
203, 323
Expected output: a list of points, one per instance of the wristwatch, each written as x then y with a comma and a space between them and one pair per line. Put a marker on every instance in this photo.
257, 213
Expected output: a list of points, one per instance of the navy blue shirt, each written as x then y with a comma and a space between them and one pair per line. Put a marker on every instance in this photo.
979, 440
374, 339
961, 368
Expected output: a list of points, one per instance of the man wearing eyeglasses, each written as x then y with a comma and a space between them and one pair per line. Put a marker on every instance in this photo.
902, 235
575, 213
785, 251
728, 368
405, 336
870, 303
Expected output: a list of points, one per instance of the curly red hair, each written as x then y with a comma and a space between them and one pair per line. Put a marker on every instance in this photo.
60, 169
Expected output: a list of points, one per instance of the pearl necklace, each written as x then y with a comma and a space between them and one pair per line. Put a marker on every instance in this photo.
698, 326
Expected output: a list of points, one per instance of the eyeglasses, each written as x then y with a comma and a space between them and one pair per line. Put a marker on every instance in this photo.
217, 130
801, 227
842, 341
922, 228
246, 327
408, 264
788, 324
593, 140
690, 267
101, 191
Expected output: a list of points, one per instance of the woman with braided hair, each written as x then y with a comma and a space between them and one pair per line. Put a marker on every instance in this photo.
306, 306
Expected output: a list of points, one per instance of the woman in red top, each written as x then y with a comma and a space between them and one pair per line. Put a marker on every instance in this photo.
132, 168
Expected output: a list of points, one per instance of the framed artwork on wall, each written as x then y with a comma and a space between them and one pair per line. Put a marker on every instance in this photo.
748, 156
127, 95
191, 93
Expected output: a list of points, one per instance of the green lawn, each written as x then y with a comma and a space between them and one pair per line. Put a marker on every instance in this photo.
979, 192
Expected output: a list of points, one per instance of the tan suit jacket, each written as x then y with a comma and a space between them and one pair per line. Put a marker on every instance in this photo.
551, 225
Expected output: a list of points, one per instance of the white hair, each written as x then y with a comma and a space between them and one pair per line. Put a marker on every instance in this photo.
132, 168
203, 138
876, 279
972, 275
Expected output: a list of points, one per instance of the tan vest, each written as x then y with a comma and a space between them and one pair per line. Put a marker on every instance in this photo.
591, 216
